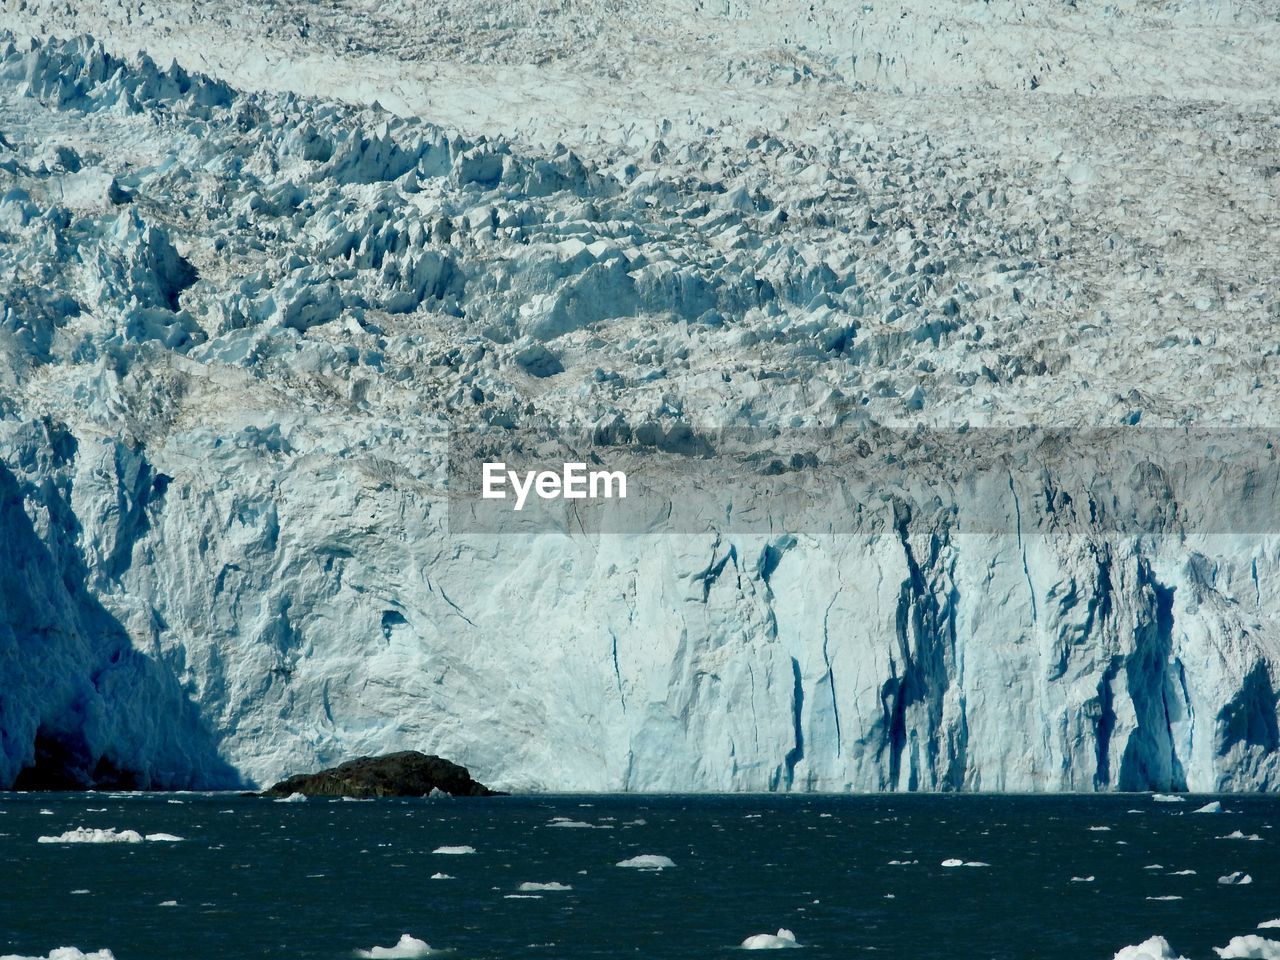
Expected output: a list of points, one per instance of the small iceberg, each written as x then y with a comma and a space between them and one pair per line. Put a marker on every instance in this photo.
1214, 807
577, 824
301, 798
454, 851
648, 861
87, 835
441, 876
1166, 798
781, 940
66, 953
1167, 897
1268, 924
1088, 879
528, 887
1099, 829
1237, 879
1251, 947
163, 838
407, 946
1156, 948
1239, 835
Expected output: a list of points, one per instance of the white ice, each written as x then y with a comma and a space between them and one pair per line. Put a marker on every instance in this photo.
408, 946
648, 861
1250, 947
771, 941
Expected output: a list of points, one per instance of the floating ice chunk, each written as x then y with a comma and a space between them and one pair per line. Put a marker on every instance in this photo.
1214, 807
163, 838
1099, 829
75, 893
577, 824
771, 941
1251, 947
902, 863
953, 862
441, 876
296, 798
454, 851
1156, 948
1237, 879
976, 863
167, 903
65, 953
1154, 866
528, 886
1166, 798
46, 813
408, 946
1166, 897
523, 896
1183, 873
648, 861
1268, 924
88, 835
1088, 879
1239, 835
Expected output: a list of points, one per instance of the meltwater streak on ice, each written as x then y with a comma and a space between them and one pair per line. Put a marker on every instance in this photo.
847, 876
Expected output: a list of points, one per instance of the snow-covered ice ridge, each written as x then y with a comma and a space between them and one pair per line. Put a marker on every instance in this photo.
238, 326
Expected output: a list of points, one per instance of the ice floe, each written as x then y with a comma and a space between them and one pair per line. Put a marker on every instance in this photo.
529, 886
1167, 798
648, 861
1165, 897
293, 798
771, 941
441, 876
954, 862
1155, 948
1237, 879
1088, 879
577, 824
1268, 924
1239, 835
454, 851
1249, 947
65, 953
408, 946
1213, 807
90, 835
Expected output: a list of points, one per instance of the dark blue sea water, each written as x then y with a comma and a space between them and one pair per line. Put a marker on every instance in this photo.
323, 879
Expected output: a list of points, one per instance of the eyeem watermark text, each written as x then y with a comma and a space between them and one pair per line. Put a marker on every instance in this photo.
573, 482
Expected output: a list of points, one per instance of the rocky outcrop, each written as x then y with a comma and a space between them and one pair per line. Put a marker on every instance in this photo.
404, 774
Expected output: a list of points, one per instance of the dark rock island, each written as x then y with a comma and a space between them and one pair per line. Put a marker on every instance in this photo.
404, 774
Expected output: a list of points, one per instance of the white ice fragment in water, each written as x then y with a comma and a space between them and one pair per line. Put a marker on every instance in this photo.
168, 903
1183, 873
1166, 798
577, 824
49, 813
454, 851
441, 876
1156, 948
1268, 924
1251, 947
163, 838
1239, 835
1213, 807
903, 863
1237, 879
953, 862
78, 892
771, 941
529, 886
88, 835
523, 896
408, 946
1088, 879
648, 861
1154, 866
65, 953
1099, 829
1167, 897
976, 863
298, 798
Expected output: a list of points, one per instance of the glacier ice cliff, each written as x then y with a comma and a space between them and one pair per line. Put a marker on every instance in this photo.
237, 329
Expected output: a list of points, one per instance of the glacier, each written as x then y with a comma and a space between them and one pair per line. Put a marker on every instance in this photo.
240, 326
